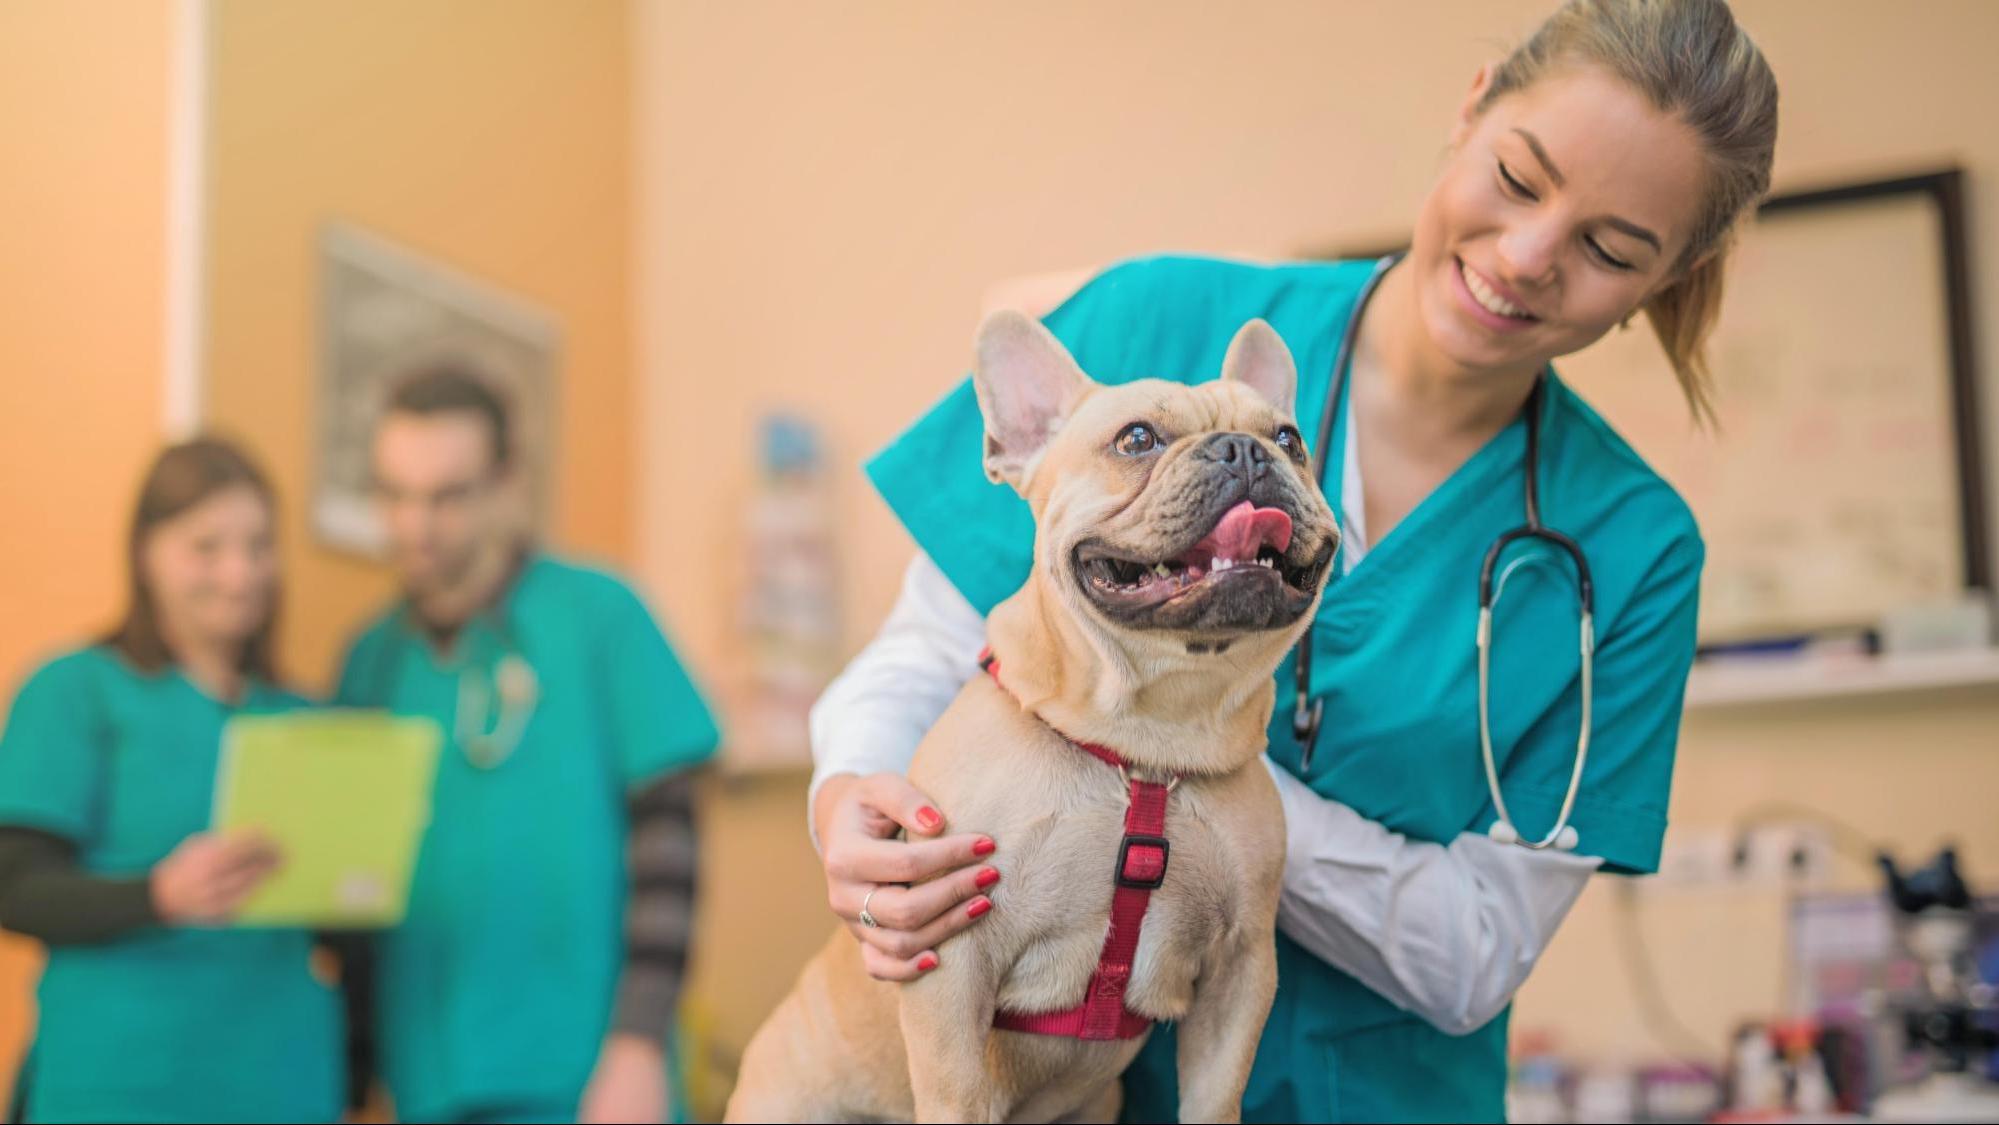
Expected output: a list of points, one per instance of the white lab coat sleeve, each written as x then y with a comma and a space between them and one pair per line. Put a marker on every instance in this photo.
871, 716
1448, 932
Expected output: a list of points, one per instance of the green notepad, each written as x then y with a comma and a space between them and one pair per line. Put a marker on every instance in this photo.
345, 795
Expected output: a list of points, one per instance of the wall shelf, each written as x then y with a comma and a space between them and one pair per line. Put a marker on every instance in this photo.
1739, 682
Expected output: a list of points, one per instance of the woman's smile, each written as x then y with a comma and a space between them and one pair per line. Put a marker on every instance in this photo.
1490, 303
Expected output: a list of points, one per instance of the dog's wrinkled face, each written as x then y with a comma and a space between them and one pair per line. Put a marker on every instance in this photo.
1163, 507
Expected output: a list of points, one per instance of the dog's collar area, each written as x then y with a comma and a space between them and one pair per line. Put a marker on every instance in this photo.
1140, 870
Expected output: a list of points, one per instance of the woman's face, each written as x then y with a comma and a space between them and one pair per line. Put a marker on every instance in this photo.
213, 569
1560, 210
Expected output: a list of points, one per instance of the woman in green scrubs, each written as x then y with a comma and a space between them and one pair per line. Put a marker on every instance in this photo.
1592, 175
150, 1008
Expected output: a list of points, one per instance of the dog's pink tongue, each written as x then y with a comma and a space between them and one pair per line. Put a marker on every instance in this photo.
1245, 529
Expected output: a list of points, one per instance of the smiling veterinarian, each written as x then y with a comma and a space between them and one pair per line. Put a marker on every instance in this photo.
152, 1007
1593, 174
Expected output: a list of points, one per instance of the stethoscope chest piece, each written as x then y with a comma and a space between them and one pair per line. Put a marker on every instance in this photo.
1565, 839
515, 681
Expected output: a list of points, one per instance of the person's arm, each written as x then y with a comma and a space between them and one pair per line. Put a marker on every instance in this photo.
870, 719
46, 896
630, 1079
865, 730
1448, 932
660, 729
659, 910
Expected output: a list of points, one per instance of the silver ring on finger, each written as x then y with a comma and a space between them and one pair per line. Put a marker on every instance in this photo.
867, 918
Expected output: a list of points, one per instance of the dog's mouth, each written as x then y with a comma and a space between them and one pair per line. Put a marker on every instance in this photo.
1248, 561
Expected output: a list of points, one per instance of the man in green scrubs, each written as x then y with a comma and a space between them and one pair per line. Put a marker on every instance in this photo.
536, 974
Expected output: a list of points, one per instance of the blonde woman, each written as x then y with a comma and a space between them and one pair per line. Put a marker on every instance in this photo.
1592, 176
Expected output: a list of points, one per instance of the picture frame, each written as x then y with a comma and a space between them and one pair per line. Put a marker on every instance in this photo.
1845, 479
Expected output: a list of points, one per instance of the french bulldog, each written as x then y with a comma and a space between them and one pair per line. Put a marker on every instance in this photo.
1181, 545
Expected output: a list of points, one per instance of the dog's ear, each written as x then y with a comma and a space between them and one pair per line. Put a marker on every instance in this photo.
1259, 360
1027, 383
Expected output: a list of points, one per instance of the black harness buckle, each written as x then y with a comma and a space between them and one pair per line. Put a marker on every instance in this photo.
1139, 882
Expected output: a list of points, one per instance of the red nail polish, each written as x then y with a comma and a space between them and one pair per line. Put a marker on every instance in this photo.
926, 962
984, 847
986, 878
929, 818
979, 906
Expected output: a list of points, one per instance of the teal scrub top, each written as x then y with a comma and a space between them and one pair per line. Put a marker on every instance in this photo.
496, 991
165, 1023
1393, 660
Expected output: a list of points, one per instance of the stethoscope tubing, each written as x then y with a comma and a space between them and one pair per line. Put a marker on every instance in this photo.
1308, 712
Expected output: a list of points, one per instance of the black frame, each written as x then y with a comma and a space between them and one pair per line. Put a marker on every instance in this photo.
1945, 188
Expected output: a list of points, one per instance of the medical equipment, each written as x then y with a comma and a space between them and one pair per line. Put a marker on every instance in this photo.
517, 690
1954, 1017
1307, 712
495, 701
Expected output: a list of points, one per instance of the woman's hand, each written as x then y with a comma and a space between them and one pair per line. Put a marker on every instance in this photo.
857, 819
208, 876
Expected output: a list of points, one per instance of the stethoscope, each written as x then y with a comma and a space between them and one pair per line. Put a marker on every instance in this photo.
1307, 711
495, 701
490, 738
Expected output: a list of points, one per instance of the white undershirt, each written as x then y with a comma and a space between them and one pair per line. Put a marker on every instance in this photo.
1448, 932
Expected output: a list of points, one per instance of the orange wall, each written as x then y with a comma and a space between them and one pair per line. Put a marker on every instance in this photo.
492, 136
83, 139
83, 121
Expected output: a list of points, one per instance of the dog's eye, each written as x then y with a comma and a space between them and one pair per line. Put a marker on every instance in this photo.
1289, 440
1135, 439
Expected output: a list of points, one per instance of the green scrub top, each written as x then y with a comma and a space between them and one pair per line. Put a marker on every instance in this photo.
1393, 657
496, 991
164, 1023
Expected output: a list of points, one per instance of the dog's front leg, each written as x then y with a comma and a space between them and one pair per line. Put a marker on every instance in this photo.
1219, 1035
947, 1020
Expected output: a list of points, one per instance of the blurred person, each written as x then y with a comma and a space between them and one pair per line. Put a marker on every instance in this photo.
1592, 175
149, 1009
537, 973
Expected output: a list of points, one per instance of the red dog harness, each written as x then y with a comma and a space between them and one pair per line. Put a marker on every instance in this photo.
1141, 868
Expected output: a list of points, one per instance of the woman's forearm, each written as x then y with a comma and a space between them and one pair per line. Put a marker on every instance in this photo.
1448, 932
870, 719
45, 896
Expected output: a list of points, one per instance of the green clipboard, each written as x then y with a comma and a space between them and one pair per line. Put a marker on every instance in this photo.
345, 796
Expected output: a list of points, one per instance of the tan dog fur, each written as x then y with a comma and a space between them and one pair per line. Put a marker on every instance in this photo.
843, 1046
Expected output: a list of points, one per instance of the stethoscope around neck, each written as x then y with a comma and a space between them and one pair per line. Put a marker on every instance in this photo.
1307, 712
495, 700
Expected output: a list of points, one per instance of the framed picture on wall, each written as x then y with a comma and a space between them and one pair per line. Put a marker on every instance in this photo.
385, 311
1845, 479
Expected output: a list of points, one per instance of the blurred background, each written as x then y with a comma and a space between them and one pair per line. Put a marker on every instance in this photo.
753, 239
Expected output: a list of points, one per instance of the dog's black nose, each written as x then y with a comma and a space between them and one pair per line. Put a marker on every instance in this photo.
1242, 453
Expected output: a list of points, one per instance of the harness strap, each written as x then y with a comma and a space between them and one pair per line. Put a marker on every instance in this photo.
1141, 868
